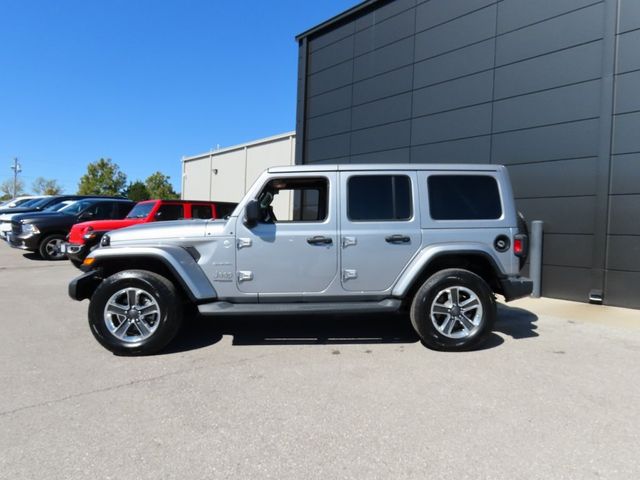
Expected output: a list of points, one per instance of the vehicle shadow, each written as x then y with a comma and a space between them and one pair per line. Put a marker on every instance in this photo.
321, 329
199, 332
516, 322
33, 256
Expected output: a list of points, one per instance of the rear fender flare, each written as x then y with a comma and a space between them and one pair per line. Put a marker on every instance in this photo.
430, 253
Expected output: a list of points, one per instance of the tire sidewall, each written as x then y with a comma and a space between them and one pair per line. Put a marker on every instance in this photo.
421, 309
42, 249
155, 285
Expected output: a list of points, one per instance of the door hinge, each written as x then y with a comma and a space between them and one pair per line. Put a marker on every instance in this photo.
348, 241
244, 242
349, 274
245, 276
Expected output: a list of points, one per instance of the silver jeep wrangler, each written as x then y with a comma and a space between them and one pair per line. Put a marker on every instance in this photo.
436, 240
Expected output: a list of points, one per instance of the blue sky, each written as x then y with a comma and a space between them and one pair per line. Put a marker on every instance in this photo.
144, 82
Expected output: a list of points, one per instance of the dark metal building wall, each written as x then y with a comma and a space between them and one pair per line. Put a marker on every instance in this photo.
623, 240
525, 83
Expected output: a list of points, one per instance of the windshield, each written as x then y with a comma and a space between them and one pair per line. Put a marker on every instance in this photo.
76, 207
22, 202
59, 206
141, 210
41, 202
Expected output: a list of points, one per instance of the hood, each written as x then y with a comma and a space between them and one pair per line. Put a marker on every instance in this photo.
106, 225
44, 217
159, 232
18, 210
6, 217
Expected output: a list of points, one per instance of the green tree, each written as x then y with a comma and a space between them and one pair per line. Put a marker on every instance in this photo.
6, 189
158, 186
102, 178
137, 191
43, 186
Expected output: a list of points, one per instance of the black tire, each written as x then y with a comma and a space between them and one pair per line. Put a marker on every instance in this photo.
49, 247
437, 291
165, 324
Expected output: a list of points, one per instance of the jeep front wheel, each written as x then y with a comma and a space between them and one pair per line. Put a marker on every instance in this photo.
453, 310
135, 312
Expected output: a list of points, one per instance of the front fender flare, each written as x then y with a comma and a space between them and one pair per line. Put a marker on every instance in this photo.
178, 260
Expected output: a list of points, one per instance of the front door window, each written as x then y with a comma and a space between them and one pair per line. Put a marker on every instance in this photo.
293, 247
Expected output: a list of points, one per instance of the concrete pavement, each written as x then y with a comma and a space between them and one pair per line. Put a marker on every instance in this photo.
553, 394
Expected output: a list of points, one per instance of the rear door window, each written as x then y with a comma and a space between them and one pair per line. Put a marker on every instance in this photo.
464, 197
379, 198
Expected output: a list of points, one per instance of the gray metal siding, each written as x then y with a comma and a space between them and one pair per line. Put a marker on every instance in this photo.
622, 284
525, 83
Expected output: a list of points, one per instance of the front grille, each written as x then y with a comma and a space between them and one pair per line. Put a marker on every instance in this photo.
16, 228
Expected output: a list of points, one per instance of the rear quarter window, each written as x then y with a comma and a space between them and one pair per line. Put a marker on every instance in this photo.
464, 197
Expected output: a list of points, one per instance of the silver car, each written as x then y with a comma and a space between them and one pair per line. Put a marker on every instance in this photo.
435, 240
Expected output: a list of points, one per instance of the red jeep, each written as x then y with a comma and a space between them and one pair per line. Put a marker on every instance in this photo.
84, 237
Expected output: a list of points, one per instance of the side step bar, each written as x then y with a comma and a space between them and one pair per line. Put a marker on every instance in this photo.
228, 308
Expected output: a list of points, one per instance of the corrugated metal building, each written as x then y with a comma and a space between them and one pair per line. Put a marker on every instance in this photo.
549, 88
224, 175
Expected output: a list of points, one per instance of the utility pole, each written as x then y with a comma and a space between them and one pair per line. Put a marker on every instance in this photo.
16, 170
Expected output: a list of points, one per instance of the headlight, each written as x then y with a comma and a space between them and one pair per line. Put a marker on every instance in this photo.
29, 228
88, 233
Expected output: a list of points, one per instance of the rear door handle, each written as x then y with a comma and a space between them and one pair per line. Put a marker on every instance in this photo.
319, 240
397, 239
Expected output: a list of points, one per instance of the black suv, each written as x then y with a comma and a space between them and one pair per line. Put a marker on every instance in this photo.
45, 232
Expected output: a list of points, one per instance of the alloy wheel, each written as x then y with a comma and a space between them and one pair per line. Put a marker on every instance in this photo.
132, 314
54, 248
456, 312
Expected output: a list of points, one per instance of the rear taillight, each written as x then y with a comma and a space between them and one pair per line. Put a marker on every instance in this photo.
520, 245
518, 248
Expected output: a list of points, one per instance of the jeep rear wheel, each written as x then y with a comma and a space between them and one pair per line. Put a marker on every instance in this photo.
453, 310
135, 312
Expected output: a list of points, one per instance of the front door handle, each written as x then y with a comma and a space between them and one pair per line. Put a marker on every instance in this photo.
319, 240
397, 239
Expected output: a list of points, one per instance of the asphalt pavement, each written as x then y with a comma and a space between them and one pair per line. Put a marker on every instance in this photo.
552, 394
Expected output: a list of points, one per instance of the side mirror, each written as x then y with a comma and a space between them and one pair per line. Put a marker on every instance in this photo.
252, 213
86, 216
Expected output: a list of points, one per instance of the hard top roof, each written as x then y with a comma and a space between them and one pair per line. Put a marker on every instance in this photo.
376, 167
